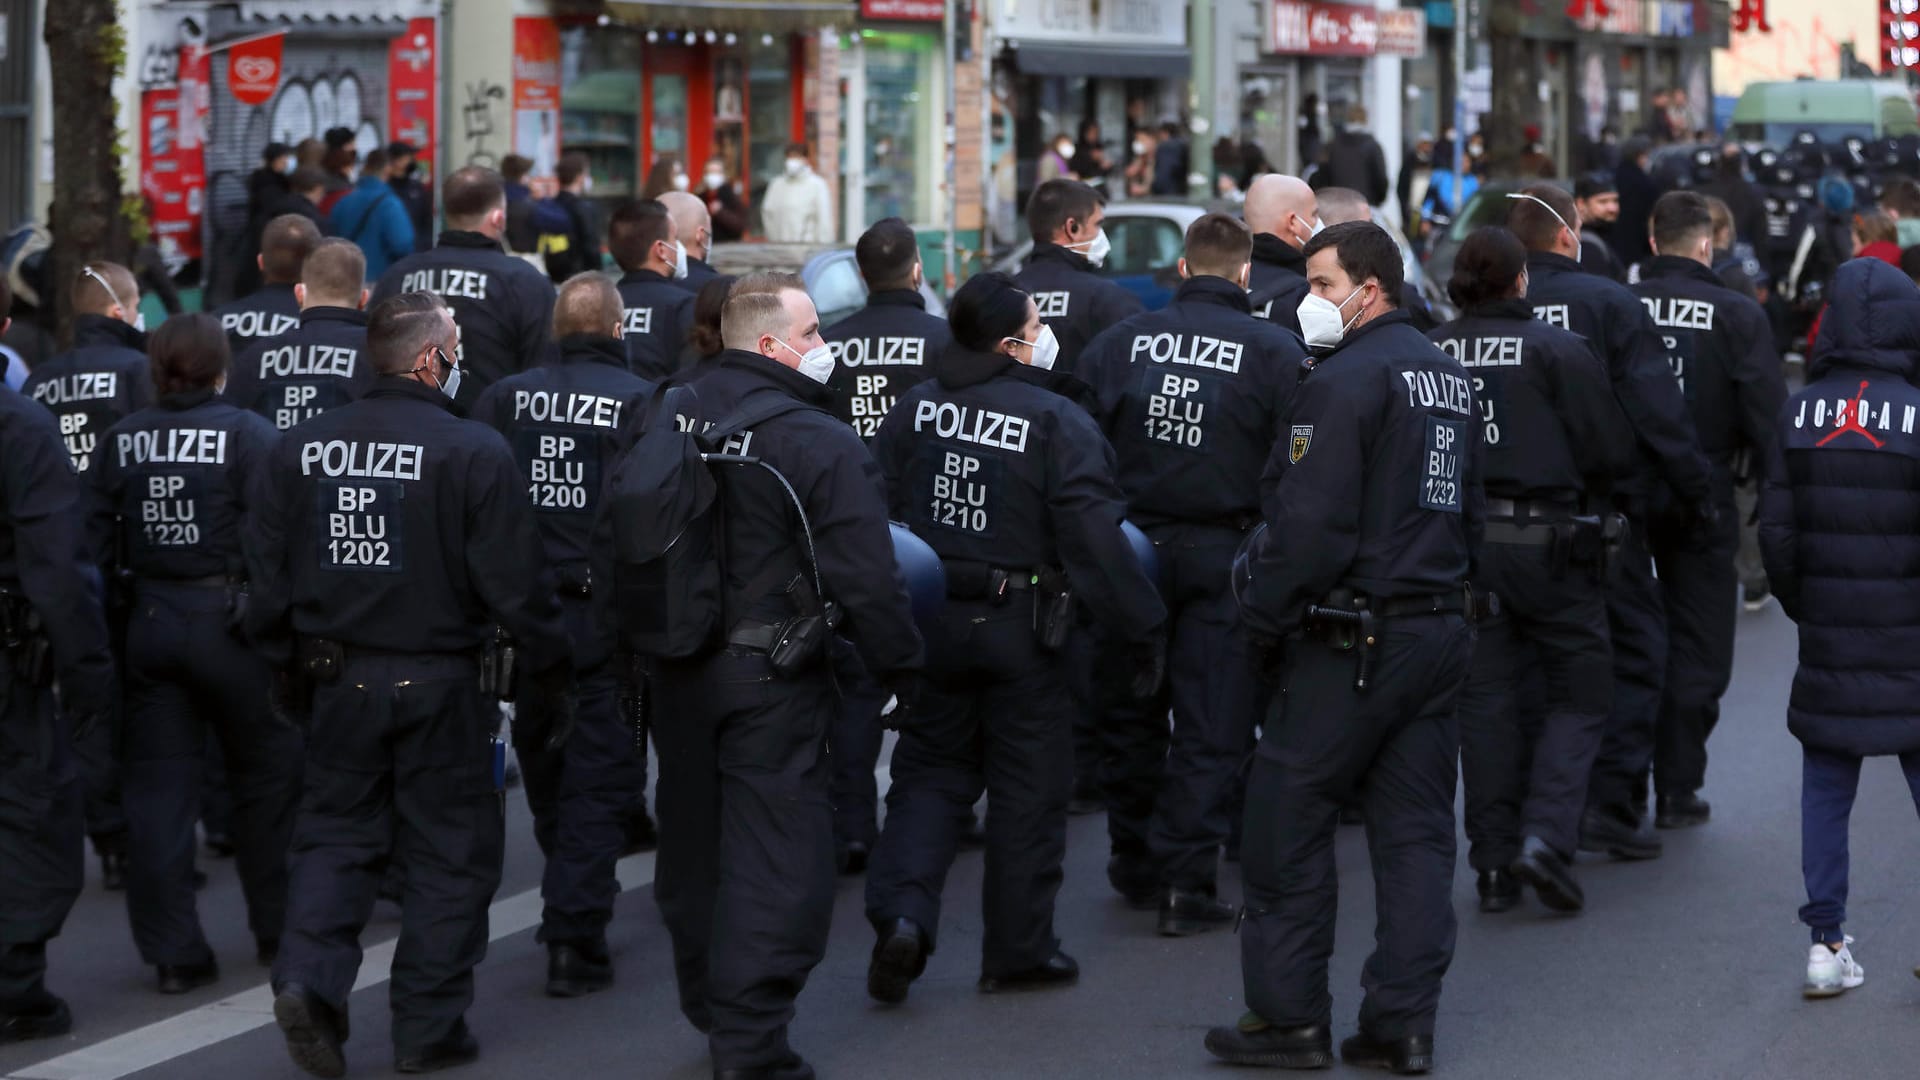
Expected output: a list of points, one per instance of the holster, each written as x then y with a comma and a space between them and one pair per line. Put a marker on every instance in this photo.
499, 661
1053, 613
322, 661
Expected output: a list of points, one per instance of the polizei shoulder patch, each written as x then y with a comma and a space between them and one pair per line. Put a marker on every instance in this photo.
1302, 441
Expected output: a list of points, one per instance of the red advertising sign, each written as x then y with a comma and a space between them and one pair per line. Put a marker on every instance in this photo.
411, 91
904, 10
173, 129
1403, 32
536, 63
253, 68
1299, 26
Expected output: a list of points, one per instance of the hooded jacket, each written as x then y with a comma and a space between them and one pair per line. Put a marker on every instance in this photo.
1840, 520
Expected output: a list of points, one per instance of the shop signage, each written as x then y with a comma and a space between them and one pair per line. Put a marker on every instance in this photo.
904, 10
173, 123
1750, 15
1092, 23
1300, 26
253, 68
411, 89
1403, 32
536, 92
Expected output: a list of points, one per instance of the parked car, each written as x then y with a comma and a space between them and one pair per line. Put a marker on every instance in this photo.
831, 275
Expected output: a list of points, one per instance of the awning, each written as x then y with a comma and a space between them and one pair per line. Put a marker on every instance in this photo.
746, 16
1049, 58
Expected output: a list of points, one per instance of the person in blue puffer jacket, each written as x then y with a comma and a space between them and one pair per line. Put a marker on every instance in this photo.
1840, 536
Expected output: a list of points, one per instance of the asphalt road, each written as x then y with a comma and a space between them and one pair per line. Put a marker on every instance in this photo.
1685, 967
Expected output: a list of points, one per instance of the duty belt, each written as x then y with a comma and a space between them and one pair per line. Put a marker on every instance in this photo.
1350, 622
1522, 510
754, 634
968, 580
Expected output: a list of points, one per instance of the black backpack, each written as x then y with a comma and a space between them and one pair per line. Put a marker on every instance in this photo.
664, 512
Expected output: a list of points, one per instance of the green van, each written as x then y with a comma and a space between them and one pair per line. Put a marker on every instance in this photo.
1771, 113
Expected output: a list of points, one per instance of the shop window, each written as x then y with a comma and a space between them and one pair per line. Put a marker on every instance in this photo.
899, 76
769, 74
600, 107
1142, 245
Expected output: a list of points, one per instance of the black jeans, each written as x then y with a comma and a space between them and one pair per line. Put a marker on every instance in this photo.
997, 717
1394, 744
1701, 587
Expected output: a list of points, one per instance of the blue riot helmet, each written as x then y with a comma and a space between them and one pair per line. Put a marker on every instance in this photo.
1243, 561
1144, 552
926, 578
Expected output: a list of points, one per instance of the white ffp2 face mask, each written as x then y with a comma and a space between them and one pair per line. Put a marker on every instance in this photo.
815, 364
1323, 323
1045, 348
679, 261
1097, 248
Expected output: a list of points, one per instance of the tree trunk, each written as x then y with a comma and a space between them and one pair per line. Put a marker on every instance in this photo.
1514, 91
86, 48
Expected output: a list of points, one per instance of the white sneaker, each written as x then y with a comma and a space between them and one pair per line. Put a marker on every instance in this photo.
1832, 973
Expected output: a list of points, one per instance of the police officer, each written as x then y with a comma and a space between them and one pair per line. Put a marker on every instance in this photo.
40, 834
563, 420
1338, 204
503, 304
1069, 246
879, 352
390, 539
1552, 439
744, 877
322, 365
1191, 398
272, 309
1617, 327
89, 389
169, 491
1283, 214
1370, 503
1013, 487
1721, 350
646, 243
694, 226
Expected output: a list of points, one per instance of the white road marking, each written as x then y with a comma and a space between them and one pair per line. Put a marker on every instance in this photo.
216, 1022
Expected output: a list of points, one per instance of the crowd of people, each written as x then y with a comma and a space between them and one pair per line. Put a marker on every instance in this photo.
1283, 553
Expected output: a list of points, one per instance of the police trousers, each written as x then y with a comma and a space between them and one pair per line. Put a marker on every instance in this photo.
853, 746
579, 792
400, 765
1167, 794
745, 874
190, 678
1637, 624
1701, 588
1526, 763
996, 716
42, 836
1394, 745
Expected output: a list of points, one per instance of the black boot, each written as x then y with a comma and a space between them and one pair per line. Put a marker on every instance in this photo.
1619, 832
1058, 970
312, 1029
1543, 868
458, 1048
851, 857
50, 1019
180, 978
1408, 1055
578, 969
899, 956
1499, 891
113, 861
1184, 913
1135, 879
1253, 1041
794, 1068
1683, 810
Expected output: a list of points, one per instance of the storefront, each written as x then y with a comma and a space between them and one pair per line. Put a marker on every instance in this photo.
894, 100
1123, 64
1318, 60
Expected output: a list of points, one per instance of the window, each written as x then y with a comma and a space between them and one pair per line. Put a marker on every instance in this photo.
1142, 245
837, 290
600, 107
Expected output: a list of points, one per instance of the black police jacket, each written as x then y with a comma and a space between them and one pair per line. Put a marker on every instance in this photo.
1720, 344
659, 314
104, 378
989, 468
699, 272
1191, 398
1375, 482
1610, 317
564, 421
172, 486
838, 484
267, 312
390, 523
881, 350
504, 306
43, 555
1072, 299
1597, 257
301, 374
1279, 281
1549, 425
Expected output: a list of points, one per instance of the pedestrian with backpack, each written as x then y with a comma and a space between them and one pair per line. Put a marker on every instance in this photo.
372, 216
730, 573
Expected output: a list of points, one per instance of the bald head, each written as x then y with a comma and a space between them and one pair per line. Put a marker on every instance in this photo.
691, 222
1282, 206
588, 303
1338, 204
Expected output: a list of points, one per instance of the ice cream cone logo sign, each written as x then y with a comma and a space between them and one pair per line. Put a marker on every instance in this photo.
253, 68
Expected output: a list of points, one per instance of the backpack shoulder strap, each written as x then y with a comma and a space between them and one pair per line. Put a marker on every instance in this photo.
756, 408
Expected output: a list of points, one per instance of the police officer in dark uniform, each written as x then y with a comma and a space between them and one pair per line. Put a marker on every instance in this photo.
1013, 487
89, 389
169, 491
646, 243
694, 227
1552, 439
564, 420
744, 877
272, 309
1069, 246
1191, 397
1284, 214
390, 540
323, 364
1721, 350
1610, 317
1338, 204
41, 829
503, 304
879, 352
1358, 590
